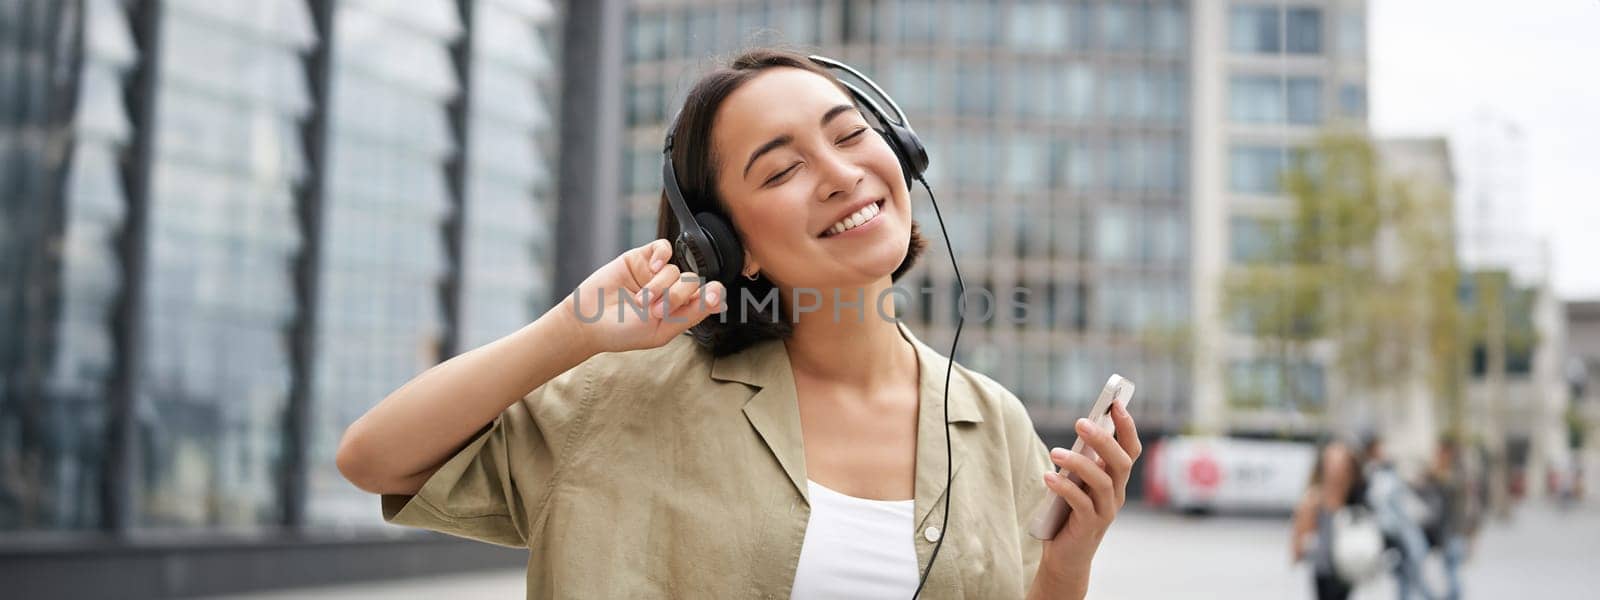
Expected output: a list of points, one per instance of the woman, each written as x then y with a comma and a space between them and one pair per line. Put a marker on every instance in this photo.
1336, 483
799, 458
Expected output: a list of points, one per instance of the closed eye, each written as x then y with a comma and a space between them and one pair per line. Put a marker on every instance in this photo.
780, 175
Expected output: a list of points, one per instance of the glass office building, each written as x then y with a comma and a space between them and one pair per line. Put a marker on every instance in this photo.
227, 229
1059, 139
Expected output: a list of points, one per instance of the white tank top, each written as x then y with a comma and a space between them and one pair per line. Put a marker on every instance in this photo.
856, 548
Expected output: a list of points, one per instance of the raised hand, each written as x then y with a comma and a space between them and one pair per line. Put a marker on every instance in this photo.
640, 300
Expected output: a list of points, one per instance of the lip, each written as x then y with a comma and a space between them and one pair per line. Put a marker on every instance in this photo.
882, 203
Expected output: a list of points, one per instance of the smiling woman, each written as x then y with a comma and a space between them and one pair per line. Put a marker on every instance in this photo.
815, 456
772, 174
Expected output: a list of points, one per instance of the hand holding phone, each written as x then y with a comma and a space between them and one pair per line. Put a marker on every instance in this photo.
1052, 510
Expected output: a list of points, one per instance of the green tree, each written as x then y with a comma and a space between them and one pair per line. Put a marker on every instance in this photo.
1357, 272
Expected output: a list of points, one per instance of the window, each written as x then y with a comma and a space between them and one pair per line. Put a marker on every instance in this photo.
644, 104
1270, 99
919, 21
1074, 165
1352, 35
1165, 162
800, 24
1076, 97
975, 94
1268, 30
1253, 29
1035, 26
1251, 239
912, 84
1031, 92
1066, 239
1353, 100
1256, 169
1168, 29
647, 36
1123, 26
1028, 165
1304, 31
1114, 233
978, 23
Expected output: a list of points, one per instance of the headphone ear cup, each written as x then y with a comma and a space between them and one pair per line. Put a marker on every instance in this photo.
730, 253
913, 156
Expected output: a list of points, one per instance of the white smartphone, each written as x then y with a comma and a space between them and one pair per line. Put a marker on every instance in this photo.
1052, 510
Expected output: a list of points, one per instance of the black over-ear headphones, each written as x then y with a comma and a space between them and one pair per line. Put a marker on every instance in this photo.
708, 246
706, 241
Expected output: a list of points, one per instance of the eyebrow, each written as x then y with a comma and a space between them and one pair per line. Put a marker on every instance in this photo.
786, 139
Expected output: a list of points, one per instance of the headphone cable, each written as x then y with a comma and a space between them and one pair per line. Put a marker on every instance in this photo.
949, 473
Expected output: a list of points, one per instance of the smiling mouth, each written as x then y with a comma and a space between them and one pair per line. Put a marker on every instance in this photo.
856, 220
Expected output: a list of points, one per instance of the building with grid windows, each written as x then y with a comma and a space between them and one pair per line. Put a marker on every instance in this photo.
1269, 76
1070, 123
1115, 158
227, 229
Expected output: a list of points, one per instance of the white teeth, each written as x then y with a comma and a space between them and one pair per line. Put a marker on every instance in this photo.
855, 219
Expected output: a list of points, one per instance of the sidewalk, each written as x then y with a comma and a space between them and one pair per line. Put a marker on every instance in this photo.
1539, 553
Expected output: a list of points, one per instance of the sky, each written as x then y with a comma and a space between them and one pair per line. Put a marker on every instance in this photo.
1437, 66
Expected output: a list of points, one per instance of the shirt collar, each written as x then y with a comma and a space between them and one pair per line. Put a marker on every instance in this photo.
766, 364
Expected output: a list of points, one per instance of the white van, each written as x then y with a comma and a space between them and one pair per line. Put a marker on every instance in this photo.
1216, 474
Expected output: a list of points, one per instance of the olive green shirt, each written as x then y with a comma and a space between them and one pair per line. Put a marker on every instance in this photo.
668, 472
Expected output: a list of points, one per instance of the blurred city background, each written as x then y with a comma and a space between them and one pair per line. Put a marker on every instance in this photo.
230, 227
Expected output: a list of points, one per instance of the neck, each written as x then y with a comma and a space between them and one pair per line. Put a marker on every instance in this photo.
849, 338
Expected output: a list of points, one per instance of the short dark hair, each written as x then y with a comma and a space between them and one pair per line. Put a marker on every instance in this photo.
727, 332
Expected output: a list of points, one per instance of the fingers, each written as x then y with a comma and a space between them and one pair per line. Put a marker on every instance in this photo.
1118, 463
1127, 431
1094, 477
651, 293
1069, 491
646, 261
687, 288
709, 299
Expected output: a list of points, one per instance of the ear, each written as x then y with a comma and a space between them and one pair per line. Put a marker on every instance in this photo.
750, 264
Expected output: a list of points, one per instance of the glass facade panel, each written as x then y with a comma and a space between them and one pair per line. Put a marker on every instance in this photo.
53, 402
220, 281
385, 207
508, 262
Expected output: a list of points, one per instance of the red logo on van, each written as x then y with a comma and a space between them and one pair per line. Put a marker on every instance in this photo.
1204, 472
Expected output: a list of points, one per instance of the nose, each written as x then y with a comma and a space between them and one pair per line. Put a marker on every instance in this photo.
840, 175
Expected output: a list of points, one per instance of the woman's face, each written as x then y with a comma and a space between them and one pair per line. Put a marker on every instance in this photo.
794, 158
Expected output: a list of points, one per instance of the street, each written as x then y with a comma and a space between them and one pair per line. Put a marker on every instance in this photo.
1539, 553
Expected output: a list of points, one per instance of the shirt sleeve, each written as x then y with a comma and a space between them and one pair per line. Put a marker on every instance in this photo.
497, 486
1030, 458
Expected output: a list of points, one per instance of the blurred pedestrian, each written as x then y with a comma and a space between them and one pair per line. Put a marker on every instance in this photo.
1336, 488
1445, 493
1394, 504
